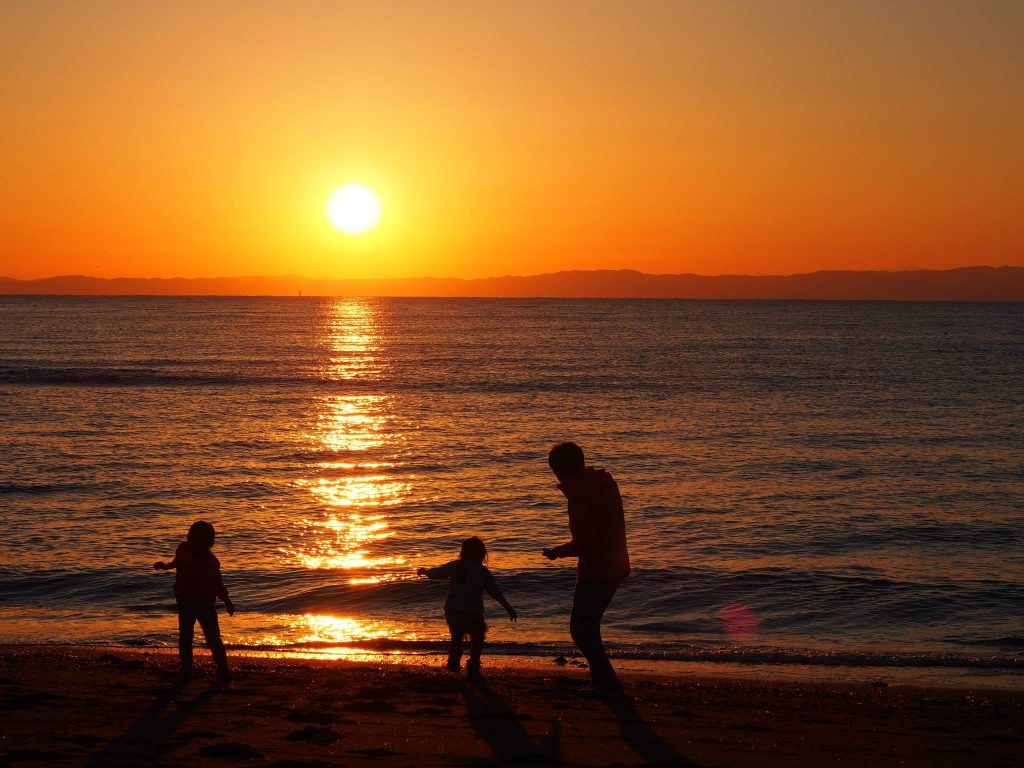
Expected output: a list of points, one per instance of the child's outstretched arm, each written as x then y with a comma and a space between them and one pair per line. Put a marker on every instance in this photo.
513, 614
441, 572
495, 591
160, 565
222, 593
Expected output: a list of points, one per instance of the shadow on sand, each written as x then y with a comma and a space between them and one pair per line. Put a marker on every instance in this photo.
148, 738
636, 732
501, 727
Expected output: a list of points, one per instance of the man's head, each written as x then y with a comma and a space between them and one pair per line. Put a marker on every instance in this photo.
566, 460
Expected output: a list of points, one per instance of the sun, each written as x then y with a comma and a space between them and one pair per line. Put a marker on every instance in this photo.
353, 209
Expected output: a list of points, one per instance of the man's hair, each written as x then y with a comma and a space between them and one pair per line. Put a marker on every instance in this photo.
566, 460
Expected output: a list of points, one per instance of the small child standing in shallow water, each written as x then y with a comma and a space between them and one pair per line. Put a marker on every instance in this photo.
197, 586
464, 607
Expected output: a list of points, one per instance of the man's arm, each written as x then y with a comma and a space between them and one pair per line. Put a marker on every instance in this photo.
569, 549
584, 534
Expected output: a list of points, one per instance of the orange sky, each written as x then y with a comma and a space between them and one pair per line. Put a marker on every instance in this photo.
176, 139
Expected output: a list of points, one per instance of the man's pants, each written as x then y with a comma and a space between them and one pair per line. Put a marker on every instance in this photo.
205, 612
589, 603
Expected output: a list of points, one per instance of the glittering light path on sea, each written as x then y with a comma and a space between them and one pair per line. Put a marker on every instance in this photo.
354, 486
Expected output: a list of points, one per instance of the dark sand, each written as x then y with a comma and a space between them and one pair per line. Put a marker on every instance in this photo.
90, 707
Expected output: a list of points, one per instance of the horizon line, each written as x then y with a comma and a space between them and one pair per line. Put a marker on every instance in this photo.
293, 276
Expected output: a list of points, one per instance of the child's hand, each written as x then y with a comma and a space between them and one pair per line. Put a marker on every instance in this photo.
159, 565
230, 606
421, 571
513, 614
549, 554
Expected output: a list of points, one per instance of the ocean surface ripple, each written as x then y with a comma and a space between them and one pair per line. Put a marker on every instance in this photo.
805, 482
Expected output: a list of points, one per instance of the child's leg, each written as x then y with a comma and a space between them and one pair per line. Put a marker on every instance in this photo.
455, 648
476, 647
207, 615
186, 631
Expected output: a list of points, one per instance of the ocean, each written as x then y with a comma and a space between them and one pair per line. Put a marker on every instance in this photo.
820, 483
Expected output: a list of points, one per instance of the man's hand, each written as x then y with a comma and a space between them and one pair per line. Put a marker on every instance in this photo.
159, 565
549, 553
513, 614
421, 571
230, 606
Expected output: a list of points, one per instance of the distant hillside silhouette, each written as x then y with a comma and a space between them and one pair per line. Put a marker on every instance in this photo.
966, 284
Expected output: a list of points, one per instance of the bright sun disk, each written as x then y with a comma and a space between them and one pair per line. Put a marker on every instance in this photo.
353, 209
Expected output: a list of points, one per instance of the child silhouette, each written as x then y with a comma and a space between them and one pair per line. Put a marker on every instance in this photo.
197, 586
464, 607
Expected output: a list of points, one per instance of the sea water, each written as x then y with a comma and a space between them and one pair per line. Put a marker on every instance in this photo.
805, 483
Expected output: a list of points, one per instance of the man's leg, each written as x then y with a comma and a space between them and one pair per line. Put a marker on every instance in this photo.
186, 632
207, 615
589, 603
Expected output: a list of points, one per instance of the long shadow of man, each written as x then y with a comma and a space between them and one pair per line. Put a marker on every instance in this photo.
500, 726
637, 733
148, 738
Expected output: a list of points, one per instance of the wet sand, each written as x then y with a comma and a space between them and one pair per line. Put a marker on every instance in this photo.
95, 707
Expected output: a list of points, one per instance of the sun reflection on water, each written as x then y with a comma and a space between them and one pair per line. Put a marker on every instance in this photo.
344, 629
353, 423
348, 545
325, 636
353, 490
360, 491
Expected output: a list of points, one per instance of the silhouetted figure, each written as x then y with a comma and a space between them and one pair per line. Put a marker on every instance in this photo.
196, 588
598, 529
464, 607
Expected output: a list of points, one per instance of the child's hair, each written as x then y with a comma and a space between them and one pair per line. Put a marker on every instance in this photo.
473, 551
200, 536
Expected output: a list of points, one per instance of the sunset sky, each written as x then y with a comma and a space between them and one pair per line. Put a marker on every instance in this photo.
193, 139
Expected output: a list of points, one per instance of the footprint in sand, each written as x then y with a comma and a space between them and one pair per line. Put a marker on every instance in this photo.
430, 711
33, 756
377, 705
228, 750
313, 735
319, 718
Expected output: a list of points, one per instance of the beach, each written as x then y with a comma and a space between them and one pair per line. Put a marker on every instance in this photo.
75, 706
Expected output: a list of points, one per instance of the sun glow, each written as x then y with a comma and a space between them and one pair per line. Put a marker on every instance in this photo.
353, 209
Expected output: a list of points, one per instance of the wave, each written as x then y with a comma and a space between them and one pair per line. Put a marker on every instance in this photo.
723, 655
103, 376
33, 489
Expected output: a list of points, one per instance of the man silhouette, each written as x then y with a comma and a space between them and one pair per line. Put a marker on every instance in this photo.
598, 529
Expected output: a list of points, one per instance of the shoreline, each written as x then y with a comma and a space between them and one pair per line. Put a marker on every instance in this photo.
913, 670
92, 706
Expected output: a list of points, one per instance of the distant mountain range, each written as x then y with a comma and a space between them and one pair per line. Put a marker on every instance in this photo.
965, 284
